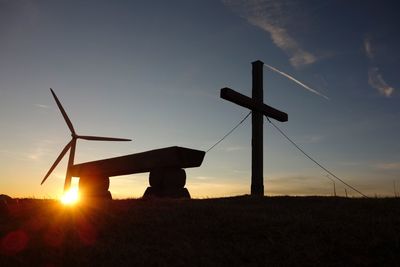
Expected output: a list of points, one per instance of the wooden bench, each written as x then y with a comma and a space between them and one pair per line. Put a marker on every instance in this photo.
166, 167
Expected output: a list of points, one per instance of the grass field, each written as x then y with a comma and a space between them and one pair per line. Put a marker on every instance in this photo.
240, 231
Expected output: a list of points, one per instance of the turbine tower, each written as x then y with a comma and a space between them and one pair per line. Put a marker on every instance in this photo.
72, 145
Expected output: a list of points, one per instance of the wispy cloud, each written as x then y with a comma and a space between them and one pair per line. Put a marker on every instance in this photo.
391, 166
297, 55
376, 81
42, 106
35, 153
368, 48
204, 178
375, 78
40, 149
13, 155
311, 139
270, 16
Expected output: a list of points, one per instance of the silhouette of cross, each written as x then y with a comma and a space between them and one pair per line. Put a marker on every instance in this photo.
258, 108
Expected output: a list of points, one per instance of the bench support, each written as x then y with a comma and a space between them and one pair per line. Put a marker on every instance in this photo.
95, 187
164, 183
167, 183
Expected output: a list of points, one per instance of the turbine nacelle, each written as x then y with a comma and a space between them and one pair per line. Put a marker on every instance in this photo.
72, 145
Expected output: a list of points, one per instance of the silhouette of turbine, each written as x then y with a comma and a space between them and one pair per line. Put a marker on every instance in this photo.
72, 145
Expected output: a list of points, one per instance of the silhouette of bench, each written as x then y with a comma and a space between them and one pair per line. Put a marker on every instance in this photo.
166, 167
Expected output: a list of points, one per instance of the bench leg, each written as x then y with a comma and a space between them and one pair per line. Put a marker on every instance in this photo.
94, 187
152, 192
167, 183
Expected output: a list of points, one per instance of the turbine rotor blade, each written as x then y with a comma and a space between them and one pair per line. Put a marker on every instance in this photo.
67, 120
59, 158
100, 138
68, 176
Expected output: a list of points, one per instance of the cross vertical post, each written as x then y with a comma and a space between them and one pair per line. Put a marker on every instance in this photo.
259, 109
257, 179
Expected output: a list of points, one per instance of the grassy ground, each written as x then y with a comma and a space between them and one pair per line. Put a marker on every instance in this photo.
240, 231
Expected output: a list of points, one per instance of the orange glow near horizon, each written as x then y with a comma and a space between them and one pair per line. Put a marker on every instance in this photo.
70, 197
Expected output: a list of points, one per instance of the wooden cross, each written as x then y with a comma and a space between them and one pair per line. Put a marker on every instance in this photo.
258, 108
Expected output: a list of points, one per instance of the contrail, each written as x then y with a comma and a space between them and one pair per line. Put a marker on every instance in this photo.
296, 81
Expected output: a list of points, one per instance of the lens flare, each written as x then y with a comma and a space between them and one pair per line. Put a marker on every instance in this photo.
70, 197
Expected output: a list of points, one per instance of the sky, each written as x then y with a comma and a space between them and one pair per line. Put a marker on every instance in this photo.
152, 70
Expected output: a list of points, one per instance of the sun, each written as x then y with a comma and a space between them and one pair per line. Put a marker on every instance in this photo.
70, 197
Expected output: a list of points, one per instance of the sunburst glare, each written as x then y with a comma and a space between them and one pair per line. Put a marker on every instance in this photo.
70, 197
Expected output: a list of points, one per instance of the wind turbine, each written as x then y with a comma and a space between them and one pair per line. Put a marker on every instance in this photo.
72, 145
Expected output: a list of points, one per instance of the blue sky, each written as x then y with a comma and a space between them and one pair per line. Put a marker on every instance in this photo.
152, 70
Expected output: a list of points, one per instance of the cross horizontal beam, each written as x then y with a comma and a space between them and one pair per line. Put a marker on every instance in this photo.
247, 102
